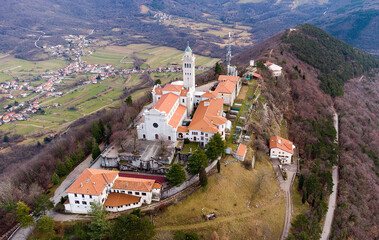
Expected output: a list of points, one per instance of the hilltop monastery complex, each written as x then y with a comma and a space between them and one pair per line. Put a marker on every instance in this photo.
175, 103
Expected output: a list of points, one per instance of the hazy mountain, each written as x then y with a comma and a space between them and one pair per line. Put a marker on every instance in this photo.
353, 21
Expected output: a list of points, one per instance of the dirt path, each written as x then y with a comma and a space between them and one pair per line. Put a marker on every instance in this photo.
287, 188
333, 196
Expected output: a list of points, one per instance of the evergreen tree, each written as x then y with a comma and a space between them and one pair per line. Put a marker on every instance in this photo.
101, 127
303, 198
215, 147
132, 227
219, 69
6, 138
88, 144
55, 179
176, 175
129, 101
80, 155
203, 178
301, 182
69, 164
96, 132
158, 81
218, 166
61, 169
100, 226
197, 161
95, 151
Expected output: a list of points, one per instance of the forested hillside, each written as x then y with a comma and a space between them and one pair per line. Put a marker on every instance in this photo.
318, 70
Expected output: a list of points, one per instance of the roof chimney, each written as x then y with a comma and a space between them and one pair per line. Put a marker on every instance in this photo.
81, 184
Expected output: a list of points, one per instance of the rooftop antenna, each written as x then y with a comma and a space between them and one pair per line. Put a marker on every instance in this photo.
229, 55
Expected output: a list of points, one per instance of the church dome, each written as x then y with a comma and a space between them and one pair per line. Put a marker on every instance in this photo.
188, 49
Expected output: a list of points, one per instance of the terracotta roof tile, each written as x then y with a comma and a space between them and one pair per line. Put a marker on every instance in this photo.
182, 129
158, 91
134, 184
157, 186
210, 94
92, 181
226, 87
177, 116
183, 92
241, 150
208, 113
281, 143
222, 78
172, 87
166, 102
120, 199
257, 75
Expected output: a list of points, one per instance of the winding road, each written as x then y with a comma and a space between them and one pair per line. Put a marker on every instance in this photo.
333, 196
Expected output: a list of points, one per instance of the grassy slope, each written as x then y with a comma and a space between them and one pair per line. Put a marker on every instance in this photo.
232, 195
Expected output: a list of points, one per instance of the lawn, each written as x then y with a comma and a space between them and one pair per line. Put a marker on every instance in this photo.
248, 205
192, 145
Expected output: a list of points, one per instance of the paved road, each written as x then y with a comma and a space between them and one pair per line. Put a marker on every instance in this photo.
333, 197
286, 186
205, 87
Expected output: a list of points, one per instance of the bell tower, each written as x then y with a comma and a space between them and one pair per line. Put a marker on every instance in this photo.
189, 69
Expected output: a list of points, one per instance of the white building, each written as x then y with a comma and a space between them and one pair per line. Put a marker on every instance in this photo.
93, 185
114, 192
206, 121
228, 88
172, 104
282, 149
274, 69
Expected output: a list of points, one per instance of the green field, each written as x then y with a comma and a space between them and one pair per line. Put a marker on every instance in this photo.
86, 99
123, 56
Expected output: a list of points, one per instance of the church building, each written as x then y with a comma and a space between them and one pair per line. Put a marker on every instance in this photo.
175, 103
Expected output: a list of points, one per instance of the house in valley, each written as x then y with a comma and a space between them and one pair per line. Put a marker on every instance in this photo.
274, 69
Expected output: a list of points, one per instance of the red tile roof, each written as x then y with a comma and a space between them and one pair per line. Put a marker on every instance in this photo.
120, 199
134, 184
281, 143
241, 150
226, 87
92, 181
210, 94
177, 116
208, 113
182, 129
173, 87
222, 78
166, 102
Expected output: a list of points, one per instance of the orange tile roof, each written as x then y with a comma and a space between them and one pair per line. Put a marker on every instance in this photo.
92, 181
284, 144
184, 92
210, 94
158, 91
177, 116
241, 150
135, 184
172, 87
226, 87
257, 75
157, 186
182, 129
208, 113
269, 63
223, 78
120, 199
166, 102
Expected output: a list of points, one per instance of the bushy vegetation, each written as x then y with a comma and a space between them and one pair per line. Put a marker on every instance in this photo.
336, 60
176, 175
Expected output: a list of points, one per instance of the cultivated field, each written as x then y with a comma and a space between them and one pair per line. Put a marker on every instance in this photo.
82, 100
248, 204
153, 56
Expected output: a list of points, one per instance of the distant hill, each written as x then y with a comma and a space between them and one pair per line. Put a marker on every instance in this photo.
352, 21
323, 74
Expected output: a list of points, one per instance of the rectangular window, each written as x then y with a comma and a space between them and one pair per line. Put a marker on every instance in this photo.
130, 192
76, 202
202, 133
90, 196
143, 194
194, 133
82, 195
137, 193
122, 191
84, 203
76, 195
206, 134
